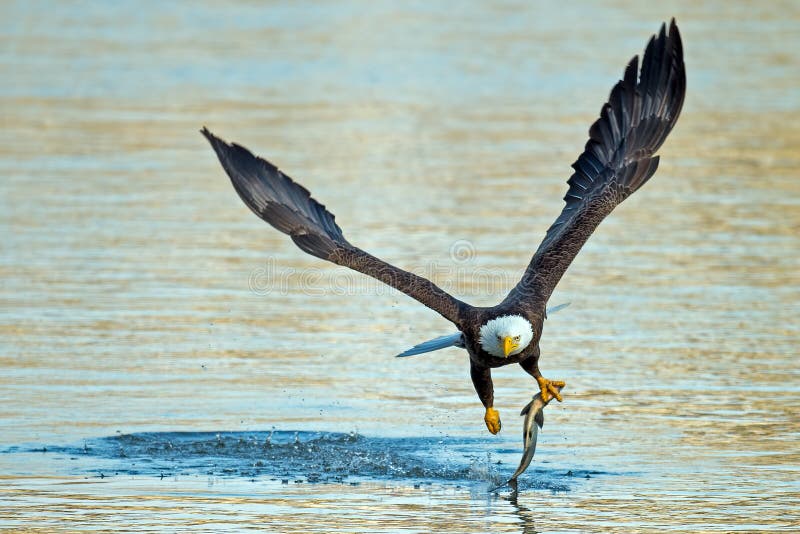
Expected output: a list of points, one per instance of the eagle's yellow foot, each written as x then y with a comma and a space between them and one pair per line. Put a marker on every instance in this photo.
492, 419
550, 388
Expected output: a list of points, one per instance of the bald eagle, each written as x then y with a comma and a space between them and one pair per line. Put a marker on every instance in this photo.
617, 160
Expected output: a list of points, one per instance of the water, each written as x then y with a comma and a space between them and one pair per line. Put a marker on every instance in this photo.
146, 317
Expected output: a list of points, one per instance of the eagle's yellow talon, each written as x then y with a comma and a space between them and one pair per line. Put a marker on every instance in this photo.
492, 419
549, 388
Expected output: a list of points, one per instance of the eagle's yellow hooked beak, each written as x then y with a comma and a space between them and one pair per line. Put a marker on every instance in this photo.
508, 346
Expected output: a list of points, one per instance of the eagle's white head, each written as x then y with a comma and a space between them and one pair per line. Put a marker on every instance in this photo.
507, 335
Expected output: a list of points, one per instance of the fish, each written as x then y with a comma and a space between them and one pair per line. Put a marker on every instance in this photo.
534, 420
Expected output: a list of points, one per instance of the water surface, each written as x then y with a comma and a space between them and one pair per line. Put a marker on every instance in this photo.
146, 317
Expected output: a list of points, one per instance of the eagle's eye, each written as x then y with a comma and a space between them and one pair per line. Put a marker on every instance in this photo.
516, 339
499, 337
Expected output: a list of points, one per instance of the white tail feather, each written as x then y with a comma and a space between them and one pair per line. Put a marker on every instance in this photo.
442, 342
556, 308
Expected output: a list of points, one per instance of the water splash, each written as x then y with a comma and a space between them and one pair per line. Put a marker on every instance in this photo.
313, 457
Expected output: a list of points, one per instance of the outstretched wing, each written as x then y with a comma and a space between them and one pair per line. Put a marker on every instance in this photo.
289, 207
617, 160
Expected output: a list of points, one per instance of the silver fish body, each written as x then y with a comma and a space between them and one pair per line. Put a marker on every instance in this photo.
534, 420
